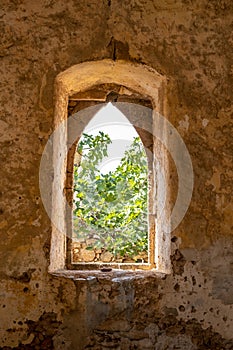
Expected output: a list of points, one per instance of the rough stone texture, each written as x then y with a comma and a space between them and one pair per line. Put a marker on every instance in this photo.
191, 43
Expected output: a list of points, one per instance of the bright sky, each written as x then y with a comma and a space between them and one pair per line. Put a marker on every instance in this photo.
112, 122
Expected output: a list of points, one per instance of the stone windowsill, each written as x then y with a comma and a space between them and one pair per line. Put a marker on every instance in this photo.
114, 275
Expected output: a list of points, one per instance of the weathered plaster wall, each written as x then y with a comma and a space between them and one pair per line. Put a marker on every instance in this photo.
191, 43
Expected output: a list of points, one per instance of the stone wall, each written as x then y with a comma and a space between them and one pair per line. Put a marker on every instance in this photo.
191, 44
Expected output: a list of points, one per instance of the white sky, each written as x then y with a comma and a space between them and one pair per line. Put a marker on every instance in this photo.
111, 121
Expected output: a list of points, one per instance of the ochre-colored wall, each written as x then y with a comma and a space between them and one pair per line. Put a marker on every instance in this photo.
189, 42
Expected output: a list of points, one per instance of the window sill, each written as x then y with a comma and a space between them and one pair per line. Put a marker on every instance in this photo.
115, 275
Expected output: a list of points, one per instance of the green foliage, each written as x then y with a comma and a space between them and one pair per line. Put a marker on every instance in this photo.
111, 208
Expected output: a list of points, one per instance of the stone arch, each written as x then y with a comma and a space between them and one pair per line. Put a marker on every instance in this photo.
137, 77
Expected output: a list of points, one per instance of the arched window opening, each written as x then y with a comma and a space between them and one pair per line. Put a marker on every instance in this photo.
110, 193
110, 187
87, 85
